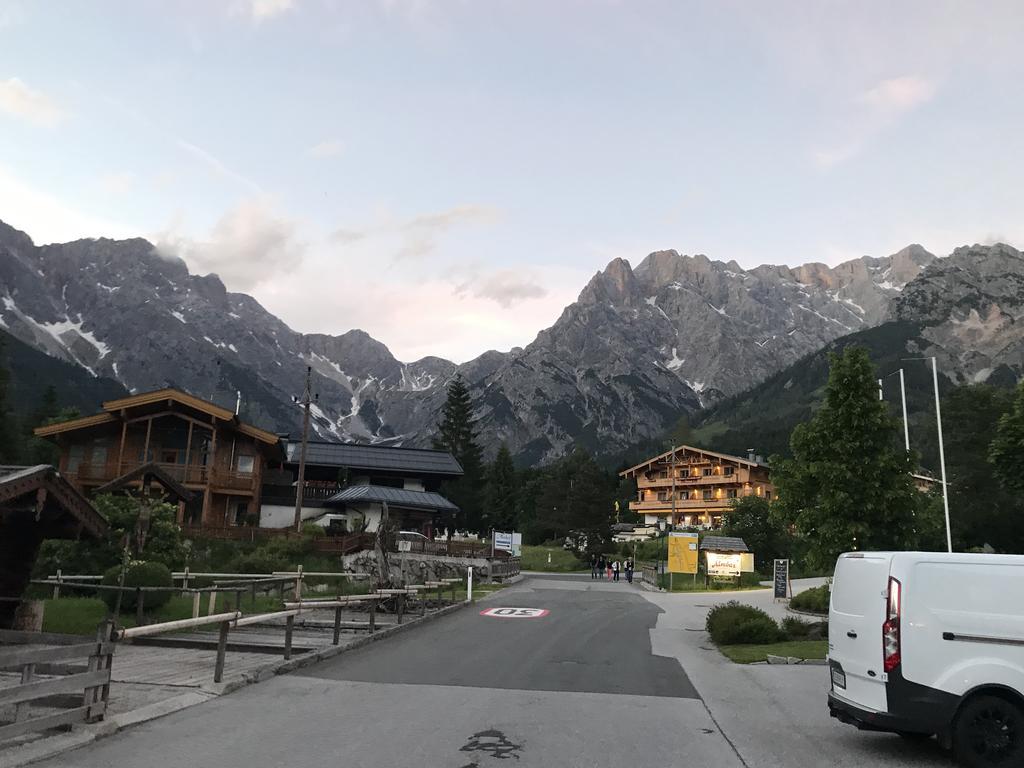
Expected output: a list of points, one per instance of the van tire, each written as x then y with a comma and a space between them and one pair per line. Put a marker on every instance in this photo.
989, 731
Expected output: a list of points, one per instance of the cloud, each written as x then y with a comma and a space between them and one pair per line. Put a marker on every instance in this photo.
421, 233
506, 287
327, 148
875, 110
262, 10
247, 246
216, 166
18, 99
899, 94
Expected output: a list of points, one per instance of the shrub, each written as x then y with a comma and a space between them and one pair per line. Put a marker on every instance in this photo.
796, 628
138, 574
733, 623
751, 579
814, 600
313, 531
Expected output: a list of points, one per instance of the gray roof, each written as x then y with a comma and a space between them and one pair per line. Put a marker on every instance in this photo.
399, 497
379, 457
723, 544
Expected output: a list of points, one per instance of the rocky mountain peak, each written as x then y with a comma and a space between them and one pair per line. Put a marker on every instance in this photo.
615, 284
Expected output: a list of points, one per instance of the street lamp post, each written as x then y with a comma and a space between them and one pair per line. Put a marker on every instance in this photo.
942, 454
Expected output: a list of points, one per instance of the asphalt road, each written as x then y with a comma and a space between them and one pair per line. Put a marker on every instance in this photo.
579, 686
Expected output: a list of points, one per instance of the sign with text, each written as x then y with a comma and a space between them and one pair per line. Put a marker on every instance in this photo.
724, 564
515, 613
682, 552
503, 541
780, 581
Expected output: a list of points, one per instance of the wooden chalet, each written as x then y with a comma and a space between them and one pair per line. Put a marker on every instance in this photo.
693, 487
200, 454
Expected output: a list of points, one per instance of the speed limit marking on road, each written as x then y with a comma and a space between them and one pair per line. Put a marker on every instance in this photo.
515, 613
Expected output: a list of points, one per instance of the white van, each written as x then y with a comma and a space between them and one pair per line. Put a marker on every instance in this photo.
924, 643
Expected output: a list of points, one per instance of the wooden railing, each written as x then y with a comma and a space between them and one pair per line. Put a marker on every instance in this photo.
188, 474
342, 545
663, 482
94, 684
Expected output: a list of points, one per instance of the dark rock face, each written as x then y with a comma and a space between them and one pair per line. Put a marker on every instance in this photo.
639, 348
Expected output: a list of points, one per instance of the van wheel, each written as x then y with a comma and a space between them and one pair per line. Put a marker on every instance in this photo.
989, 731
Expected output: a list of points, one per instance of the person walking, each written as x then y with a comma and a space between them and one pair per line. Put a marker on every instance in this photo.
600, 567
629, 571
608, 572
615, 570
593, 566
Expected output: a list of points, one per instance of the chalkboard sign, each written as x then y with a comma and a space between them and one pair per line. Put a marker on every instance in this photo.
781, 580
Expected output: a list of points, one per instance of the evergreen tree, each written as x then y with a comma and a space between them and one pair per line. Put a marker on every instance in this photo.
848, 485
48, 411
576, 498
9, 443
501, 511
750, 519
457, 434
1007, 450
970, 416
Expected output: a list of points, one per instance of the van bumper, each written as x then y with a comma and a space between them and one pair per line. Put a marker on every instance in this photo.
871, 720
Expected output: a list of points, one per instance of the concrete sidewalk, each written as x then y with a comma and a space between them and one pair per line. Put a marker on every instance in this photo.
775, 716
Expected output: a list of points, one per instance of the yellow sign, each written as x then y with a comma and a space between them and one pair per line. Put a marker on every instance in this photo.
682, 552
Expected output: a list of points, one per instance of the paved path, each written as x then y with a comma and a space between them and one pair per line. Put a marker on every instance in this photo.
596, 682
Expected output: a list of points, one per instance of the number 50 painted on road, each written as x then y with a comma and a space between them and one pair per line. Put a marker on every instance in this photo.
515, 613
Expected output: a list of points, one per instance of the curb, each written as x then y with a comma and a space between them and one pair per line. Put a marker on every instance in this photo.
798, 612
84, 735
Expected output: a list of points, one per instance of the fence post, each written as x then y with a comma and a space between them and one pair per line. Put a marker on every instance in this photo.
469, 584
453, 593
252, 602
56, 589
222, 647
213, 603
399, 603
138, 606
195, 604
337, 625
107, 660
298, 584
373, 616
21, 710
184, 582
289, 626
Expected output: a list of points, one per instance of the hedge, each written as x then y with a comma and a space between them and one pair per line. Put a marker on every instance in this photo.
814, 600
138, 574
733, 623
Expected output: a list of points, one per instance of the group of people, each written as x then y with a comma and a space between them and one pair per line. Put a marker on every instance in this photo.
609, 568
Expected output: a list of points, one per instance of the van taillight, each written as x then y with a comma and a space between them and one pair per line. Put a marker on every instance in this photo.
891, 627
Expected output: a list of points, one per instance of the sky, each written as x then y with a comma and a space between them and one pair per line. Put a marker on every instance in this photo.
448, 175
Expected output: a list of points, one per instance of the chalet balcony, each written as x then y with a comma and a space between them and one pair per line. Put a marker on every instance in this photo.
192, 475
314, 494
690, 480
681, 505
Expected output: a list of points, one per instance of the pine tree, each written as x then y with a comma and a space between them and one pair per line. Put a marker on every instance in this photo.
500, 510
457, 434
1007, 449
48, 411
848, 485
9, 443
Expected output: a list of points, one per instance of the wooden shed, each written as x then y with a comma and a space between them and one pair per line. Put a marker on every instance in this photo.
36, 503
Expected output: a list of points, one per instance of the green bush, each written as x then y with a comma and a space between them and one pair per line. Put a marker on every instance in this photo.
796, 628
313, 531
138, 574
733, 623
752, 579
814, 600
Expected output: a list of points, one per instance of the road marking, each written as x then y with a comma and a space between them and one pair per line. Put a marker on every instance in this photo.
515, 613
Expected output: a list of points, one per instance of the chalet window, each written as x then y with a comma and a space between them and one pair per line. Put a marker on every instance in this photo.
99, 456
241, 512
731, 493
245, 464
170, 457
767, 494
662, 496
707, 494
663, 474
76, 455
730, 470
707, 472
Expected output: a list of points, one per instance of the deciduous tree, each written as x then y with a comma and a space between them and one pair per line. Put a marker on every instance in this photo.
1007, 450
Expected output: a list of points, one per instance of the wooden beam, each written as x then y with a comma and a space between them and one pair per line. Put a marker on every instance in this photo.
124, 437
188, 451
145, 448
176, 414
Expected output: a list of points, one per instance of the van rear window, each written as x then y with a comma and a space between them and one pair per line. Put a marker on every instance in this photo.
859, 584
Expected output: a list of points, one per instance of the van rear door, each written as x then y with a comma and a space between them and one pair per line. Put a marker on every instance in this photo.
856, 615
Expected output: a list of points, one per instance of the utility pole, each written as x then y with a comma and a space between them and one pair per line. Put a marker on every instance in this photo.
307, 398
942, 454
903, 397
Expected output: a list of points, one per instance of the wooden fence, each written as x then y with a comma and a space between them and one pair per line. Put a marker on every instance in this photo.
40, 679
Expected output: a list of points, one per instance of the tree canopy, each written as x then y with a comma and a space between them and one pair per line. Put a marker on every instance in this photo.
848, 485
457, 434
1007, 450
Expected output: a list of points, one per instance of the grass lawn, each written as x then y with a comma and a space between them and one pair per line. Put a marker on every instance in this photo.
801, 649
535, 558
81, 615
